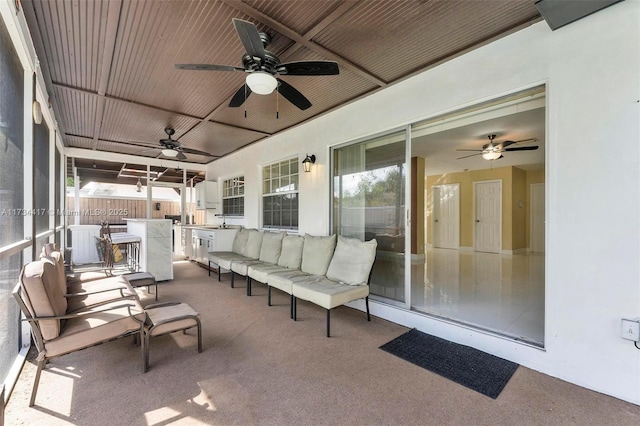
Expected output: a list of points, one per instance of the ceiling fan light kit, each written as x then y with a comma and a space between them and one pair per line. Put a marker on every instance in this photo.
169, 152
491, 155
262, 82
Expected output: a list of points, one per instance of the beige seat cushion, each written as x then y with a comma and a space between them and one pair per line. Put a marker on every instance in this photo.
241, 266
284, 280
327, 293
88, 330
224, 258
260, 271
317, 253
171, 315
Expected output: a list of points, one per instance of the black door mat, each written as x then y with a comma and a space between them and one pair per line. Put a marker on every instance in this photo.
477, 370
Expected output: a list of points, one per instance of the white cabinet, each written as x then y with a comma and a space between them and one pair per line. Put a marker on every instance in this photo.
156, 256
207, 240
206, 195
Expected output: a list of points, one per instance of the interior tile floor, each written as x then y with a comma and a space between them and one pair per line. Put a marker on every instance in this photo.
500, 293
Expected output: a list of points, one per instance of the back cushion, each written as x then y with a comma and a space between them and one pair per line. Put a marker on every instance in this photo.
48, 248
44, 296
271, 247
291, 254
317, 253
352, 261
61, 275
240, 241
254, 242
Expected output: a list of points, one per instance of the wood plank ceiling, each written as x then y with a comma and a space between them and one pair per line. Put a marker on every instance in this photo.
109, 64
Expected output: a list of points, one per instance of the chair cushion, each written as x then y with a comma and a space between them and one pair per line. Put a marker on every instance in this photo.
170, 316
224, 258
271, 247
241, 266
260, 271
327, 293
316, 253
352, 261
100, 291
87, 330
254, 242
291, 254
284, 280
239, 241
44, 295
55, 257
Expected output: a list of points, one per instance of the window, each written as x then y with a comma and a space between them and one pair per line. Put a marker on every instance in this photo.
280, 195
233, 196
12, 207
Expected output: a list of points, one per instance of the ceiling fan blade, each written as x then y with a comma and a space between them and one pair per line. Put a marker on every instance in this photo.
207, 67
467, 156
240, 96
309, 68
522, 148
475, 150
507, 143
250, 38
181, 156
291, 94
196, 152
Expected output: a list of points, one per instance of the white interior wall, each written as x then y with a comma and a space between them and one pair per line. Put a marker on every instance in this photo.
592, 71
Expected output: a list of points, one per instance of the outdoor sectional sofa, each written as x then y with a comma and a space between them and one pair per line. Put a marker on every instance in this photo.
328, 271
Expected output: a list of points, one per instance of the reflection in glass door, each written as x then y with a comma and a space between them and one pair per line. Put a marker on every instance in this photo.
369, 180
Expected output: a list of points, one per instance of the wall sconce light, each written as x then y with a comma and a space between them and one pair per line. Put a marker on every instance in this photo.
307, 162
36, 109
139, 186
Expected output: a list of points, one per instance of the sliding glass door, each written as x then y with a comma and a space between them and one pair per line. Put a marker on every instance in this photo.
369, 183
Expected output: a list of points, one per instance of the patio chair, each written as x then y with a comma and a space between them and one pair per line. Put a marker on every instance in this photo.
58, 331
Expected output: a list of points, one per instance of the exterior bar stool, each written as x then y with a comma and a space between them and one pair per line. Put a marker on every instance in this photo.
168, 317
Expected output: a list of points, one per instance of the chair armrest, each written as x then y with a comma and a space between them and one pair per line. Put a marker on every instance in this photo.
104, 302
161, 304
87, 293
78, 314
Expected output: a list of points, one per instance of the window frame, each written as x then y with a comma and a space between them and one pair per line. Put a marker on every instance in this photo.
279, 191
225, 197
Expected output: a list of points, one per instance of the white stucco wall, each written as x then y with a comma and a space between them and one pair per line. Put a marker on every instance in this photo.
592, 71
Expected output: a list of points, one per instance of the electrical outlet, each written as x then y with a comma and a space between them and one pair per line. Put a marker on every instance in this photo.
631, 329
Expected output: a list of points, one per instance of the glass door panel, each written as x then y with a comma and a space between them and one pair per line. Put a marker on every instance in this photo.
484, 220
369, 181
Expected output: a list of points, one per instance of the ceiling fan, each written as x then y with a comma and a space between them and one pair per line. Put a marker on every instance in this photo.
494, 150
262, 67
172, 148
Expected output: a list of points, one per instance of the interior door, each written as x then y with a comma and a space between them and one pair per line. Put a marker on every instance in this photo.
488, 218
446, 216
